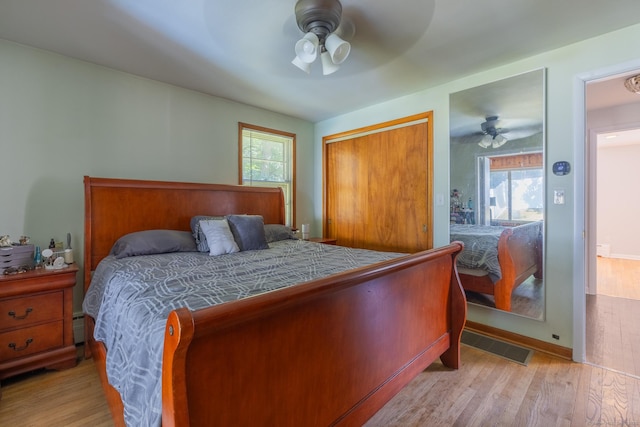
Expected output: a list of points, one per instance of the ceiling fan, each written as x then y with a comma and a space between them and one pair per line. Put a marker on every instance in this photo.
320, 21
493, 135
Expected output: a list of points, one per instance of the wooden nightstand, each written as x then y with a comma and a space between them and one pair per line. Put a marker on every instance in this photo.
325, 240
36, 316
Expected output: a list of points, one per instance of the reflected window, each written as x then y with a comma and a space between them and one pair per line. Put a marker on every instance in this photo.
516, 187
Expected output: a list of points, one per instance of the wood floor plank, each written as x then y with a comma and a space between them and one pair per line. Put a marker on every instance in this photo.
69, 398
614, 276
595, 392
581, 399
485, 391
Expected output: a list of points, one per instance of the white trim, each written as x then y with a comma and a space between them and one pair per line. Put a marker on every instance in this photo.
625, 256
373, 131
579, 293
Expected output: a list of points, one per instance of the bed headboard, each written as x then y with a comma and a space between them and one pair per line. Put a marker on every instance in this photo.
115, 207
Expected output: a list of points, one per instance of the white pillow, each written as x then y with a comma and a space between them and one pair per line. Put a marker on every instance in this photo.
219, 237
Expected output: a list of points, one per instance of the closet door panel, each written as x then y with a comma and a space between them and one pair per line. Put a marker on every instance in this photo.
397, 190
347, 206
376, 189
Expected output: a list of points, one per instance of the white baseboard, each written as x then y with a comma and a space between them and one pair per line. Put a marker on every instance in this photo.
625, 256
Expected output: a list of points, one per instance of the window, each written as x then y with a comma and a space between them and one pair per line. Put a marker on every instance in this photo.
516, 187
267, 160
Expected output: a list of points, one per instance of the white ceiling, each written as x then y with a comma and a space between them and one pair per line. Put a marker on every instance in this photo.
517, 102
610, 92
242, 49
619, 138
607, 93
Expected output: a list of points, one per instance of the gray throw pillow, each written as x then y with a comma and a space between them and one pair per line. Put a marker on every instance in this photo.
219, 237
151, 242
248, 231
277, 232
198, 235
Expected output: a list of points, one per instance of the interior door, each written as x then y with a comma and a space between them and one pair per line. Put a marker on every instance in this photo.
378, 186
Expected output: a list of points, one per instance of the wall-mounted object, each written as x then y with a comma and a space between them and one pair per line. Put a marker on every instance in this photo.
506, 183
561, 168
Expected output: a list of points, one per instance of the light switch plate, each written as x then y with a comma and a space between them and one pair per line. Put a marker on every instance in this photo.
558, 196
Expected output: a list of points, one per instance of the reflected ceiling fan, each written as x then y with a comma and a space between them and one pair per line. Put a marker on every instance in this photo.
492, 134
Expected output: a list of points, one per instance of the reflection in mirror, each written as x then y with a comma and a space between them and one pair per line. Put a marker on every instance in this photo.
497, 192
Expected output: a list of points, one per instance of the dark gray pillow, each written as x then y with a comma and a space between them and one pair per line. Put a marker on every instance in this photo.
277, 232
248, 231
151, 242
198, 235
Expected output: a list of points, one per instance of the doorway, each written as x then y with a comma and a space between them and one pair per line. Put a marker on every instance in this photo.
612, 260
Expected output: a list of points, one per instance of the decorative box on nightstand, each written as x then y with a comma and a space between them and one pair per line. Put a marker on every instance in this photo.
36, 315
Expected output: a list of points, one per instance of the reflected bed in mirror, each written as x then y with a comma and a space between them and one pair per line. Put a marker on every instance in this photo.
497, 192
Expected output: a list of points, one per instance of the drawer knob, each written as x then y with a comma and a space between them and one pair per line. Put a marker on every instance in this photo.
27, 342
26, 313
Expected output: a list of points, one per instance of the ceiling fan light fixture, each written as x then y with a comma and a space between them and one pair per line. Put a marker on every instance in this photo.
337, 48
304, 66
307, 48
498, 141
328, 66
633, 84
320, 20
486, 141
492, 134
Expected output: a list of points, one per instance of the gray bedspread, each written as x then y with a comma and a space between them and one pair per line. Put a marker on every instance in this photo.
480, 247
130, 300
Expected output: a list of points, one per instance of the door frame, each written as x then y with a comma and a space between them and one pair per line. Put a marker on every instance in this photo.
584, 242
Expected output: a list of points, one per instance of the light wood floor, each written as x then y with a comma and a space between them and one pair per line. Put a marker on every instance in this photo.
619, 277
486, 391
70, 398
613, 316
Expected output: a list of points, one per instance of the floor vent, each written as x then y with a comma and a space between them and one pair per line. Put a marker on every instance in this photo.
505, 350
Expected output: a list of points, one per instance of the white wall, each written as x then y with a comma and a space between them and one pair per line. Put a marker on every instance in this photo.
619, 200
563, 66
61, 119
617, 172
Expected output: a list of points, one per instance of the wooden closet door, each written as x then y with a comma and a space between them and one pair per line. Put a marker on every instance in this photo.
378, 189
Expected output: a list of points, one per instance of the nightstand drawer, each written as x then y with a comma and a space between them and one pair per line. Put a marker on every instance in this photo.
23, 342
30, 310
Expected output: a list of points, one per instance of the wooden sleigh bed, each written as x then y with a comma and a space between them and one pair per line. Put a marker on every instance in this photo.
331, 351
519, 252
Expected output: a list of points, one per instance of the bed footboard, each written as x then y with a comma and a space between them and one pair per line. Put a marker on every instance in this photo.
520, 256
329, 352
